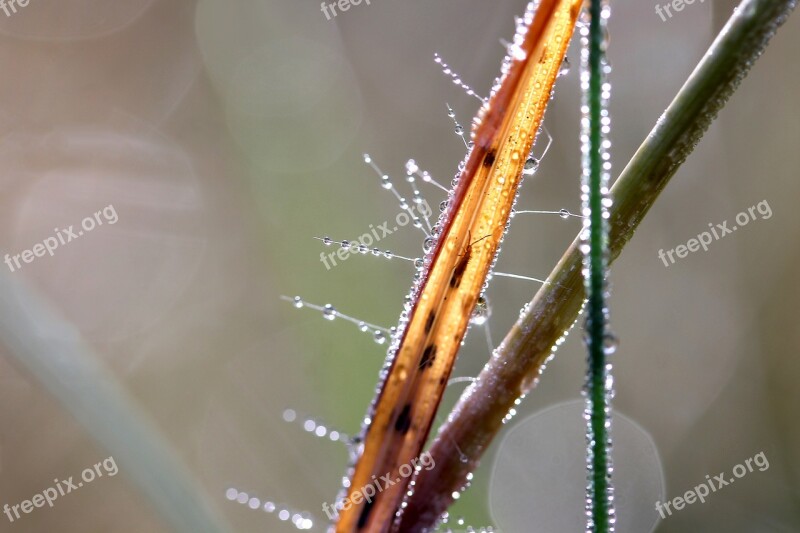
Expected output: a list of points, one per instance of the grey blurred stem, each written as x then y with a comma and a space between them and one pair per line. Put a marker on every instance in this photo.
476, 418
50, 348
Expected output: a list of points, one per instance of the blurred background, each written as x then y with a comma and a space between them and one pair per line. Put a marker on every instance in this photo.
226, 134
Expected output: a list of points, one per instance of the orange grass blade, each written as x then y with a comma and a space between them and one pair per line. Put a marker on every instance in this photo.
479, 211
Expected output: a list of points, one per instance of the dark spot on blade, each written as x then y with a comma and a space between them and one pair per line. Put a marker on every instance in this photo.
404, 420
428, 357
364, 516
429, 322
489, 159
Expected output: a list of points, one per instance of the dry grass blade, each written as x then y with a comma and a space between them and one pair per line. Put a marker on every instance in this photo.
471, 231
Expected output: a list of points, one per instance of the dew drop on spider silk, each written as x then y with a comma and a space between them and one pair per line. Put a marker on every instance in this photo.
327, 241
328, 312
297, 302
427, 245
300, 519
379, 337
362, 326
563, 213
386, 183
443, 206
564, 67
531, 166
481, 312
418, 263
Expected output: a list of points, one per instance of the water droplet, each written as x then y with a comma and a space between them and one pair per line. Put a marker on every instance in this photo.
386, 182
481, 312
531, 166
327, 241
328, 312
298, 302
563, 213
379, 337
427, 245
564, 67
610, 343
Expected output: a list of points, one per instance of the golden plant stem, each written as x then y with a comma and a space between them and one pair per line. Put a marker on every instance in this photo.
459, 265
